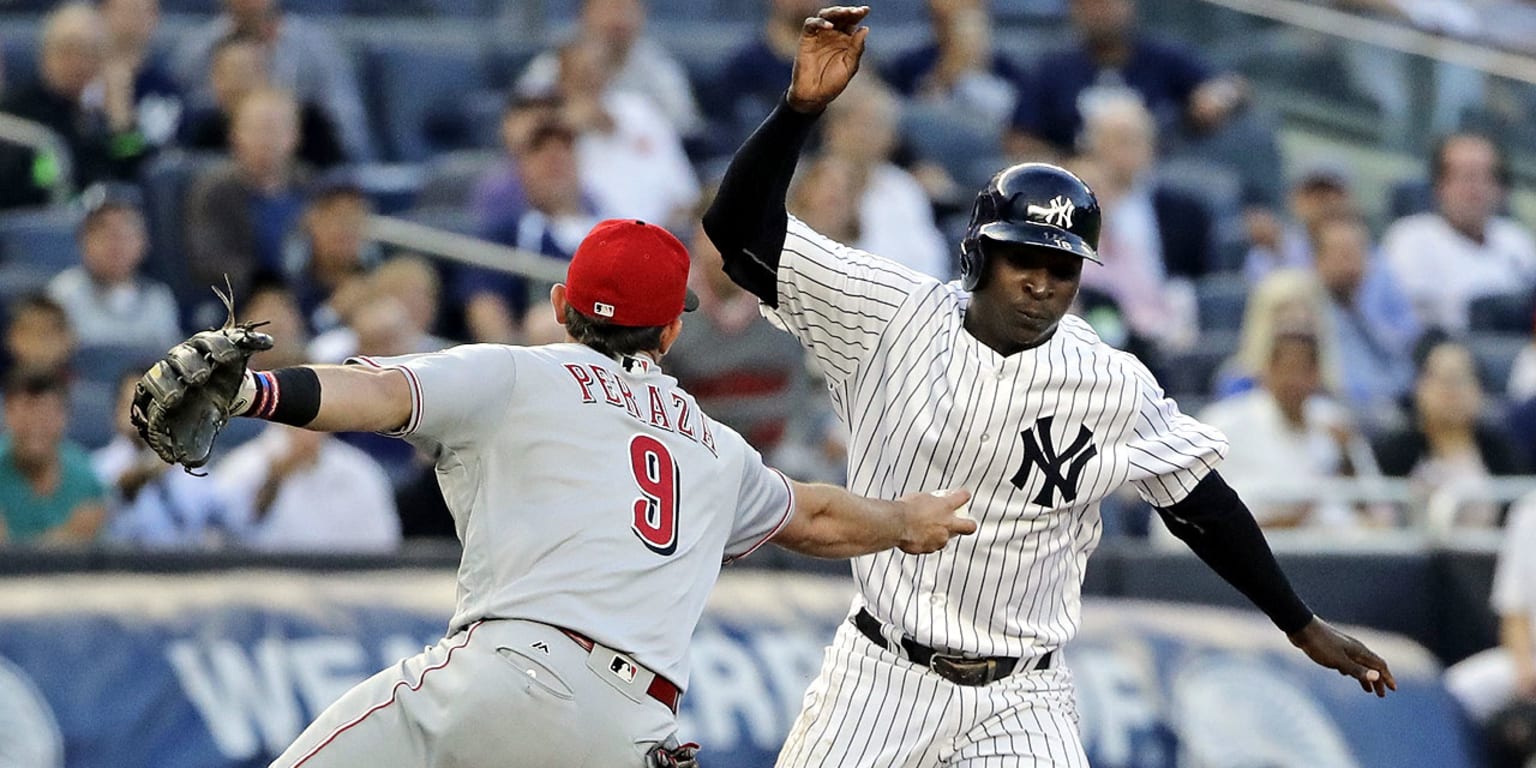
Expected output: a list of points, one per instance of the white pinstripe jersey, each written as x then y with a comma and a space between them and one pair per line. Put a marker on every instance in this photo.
1039, 437
589, 493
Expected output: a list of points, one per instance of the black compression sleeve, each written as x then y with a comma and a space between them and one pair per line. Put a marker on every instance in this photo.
747, 219
287, 396
1218, 527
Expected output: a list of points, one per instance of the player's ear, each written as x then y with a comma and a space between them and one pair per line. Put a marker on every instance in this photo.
558, 301
669, 333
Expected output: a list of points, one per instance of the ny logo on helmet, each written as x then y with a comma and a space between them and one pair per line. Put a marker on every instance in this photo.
1057, 214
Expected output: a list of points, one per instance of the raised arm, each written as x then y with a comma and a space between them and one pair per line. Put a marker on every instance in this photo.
833, 523
747, 220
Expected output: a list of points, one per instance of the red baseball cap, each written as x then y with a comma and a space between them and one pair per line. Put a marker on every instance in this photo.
630, 273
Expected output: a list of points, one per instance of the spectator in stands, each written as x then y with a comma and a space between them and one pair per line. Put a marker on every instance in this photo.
153, 504
156, 97
819, 197
628, 155
1321, 190
1487, 682
634, 63
1447, 446
1288, 299
301, 490
334, 249
1113, 56
752, 81
895, 214
38, 336
1156, 240
959, 67
1463, 250
107, 300
302, 58
1373, 324
239, 67
101, 129
273, 303
239, 215
1287, 421
744, 372
391, 312
498, 195
290, 489
48, 494
557, 215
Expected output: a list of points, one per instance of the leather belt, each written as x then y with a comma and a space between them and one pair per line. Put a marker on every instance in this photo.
660, 689
960, 670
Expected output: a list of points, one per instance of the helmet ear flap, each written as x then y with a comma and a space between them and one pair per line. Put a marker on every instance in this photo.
972, 262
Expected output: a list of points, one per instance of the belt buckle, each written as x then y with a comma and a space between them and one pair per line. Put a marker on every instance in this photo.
962, 671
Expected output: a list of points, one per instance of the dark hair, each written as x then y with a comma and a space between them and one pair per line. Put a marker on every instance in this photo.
611, 340
1437, 156
230, 40
39, 302
34, 381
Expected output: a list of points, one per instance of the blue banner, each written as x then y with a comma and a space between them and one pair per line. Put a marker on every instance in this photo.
223, 671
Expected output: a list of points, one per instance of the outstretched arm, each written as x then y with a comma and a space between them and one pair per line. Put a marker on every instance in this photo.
833, 523
747, 219
1218, 527
329, 398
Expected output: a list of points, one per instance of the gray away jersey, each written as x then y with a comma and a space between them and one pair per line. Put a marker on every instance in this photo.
589, 493
1039, 438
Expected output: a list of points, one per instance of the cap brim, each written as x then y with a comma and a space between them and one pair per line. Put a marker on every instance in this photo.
1030, 233
690, 301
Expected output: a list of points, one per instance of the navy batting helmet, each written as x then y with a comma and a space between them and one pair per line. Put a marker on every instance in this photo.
1031, 204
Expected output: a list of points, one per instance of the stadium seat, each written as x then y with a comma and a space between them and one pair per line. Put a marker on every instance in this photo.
1221, 189
392, 187
1495, 354
92, 412
450, 179
416, 91
1506, 313
165, 182
955, 141
1029, 11
1221, 299
703, 48
1190, 373
898, 11
1408, 197
19, 52
42, 238
105, 363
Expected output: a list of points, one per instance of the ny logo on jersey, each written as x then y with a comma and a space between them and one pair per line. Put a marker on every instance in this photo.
1057, 214
1040, 451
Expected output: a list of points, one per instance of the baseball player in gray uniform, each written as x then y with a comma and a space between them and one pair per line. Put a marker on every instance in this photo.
595, 503
954, 657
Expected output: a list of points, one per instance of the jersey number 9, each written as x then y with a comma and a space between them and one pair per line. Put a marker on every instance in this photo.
656, 509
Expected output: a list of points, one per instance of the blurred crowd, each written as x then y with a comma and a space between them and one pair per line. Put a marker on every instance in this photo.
1261, 292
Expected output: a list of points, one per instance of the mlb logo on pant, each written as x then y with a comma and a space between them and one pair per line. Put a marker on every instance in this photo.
623, 669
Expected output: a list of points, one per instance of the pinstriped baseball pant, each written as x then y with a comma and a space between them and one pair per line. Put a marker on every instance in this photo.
870, 707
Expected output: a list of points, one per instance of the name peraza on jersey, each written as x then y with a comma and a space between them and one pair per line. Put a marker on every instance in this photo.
669, 411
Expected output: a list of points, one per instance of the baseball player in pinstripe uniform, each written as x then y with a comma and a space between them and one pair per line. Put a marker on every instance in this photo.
954, 657
595, 502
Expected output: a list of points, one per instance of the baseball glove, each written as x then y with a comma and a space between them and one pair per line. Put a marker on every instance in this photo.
185, 400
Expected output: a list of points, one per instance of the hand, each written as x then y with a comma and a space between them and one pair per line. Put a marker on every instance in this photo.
1214, 101
117, 78
932, 519
1525, 681
303, 451
831, 43
1335, 650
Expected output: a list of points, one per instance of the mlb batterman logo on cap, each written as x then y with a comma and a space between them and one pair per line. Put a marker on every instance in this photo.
630, 273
